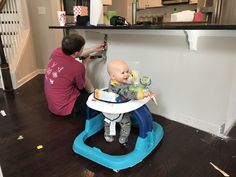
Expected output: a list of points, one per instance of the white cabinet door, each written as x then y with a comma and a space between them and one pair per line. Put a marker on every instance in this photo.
193, 1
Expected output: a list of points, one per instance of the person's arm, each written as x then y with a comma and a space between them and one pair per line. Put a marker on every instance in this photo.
80, 78
85, 56
95, 49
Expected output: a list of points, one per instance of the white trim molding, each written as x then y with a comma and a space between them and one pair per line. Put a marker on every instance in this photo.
1, 175
1, 81
22, 81
194, 122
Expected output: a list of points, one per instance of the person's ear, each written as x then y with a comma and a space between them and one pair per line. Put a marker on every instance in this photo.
78, 53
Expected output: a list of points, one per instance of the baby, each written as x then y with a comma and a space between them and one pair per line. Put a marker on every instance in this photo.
119, 83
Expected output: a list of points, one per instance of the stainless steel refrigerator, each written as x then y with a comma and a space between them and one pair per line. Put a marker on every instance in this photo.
218, 11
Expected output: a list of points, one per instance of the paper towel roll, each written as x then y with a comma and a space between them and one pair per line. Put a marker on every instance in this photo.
96, 12
61, 15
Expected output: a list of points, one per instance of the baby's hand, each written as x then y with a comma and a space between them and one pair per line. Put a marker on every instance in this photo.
146, 94
152, 96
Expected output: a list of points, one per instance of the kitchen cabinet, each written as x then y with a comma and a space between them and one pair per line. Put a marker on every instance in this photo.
193, 1
143, 4
122, 7
129, 11
107, 2
154, 3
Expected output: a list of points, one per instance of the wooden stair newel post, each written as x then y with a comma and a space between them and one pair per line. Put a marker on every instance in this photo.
6, 76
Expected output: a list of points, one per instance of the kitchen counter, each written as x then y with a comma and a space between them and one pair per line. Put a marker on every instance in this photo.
164, 26
192, 30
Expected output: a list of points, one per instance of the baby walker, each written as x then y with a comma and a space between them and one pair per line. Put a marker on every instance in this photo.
100, 106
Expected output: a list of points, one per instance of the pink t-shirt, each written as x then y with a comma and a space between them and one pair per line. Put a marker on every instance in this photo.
63, 80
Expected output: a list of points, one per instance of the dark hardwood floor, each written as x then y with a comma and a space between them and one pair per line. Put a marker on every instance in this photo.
183, 152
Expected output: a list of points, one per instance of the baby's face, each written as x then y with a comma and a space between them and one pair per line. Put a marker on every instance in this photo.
122, 74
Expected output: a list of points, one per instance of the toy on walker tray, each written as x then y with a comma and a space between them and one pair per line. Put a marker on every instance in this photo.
102, 105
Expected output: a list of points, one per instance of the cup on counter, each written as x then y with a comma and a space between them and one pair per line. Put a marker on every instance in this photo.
61, 17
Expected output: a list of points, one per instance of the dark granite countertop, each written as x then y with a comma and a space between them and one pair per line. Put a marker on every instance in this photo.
164, 26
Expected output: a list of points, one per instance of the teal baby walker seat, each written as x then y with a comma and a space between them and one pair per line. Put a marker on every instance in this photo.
150, 132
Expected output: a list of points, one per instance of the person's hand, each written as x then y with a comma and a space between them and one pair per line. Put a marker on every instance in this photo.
99, 48
87, 60
152, 96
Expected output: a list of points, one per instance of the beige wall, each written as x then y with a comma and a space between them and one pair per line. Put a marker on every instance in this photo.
28, 62
37, 40
45, 39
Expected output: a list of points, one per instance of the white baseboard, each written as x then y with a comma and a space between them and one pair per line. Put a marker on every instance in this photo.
18, 83
1, 84
229, 127
1, 175
197, 124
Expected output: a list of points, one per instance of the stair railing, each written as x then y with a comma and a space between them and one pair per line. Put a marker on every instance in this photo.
6, 76
2, 3
10, 32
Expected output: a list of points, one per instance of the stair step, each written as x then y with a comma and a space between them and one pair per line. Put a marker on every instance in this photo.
10, 22
8, 33
8, 46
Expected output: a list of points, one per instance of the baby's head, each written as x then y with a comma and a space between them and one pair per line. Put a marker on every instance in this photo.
119, 71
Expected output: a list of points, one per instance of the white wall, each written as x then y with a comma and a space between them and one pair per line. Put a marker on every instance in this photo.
232, 105
192, 87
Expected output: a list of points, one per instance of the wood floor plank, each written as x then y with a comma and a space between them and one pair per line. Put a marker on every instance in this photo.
183, 152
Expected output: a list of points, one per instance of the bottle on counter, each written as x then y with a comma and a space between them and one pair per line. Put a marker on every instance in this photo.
106, 20
198, 16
